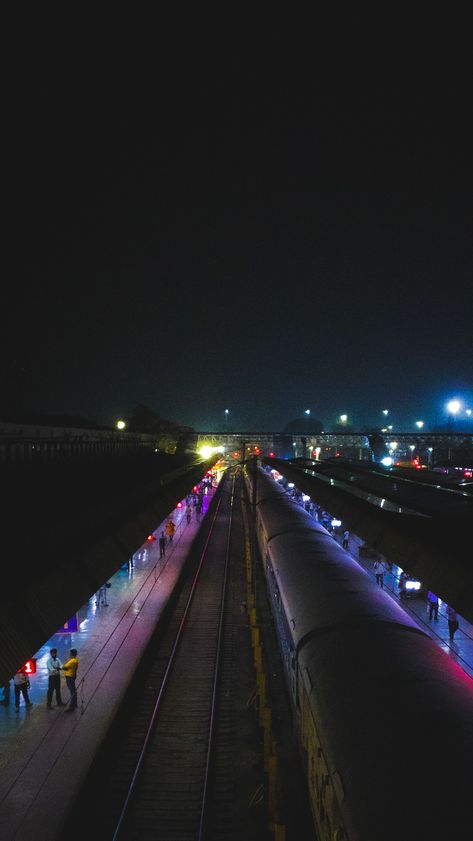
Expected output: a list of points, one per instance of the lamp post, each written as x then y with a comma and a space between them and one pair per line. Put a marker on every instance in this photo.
429, 456
120, 424
453, 407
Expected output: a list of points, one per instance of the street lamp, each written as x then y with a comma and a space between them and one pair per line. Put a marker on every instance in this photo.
453, 406
419, 424
120, 424
307, 412
343, 418
468, 412
412, 447
385, 412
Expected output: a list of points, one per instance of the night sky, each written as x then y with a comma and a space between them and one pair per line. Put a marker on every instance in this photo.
261, 232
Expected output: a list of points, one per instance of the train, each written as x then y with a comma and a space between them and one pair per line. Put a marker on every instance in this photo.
383, 717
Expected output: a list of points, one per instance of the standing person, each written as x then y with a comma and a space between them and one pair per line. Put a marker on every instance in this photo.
70, 672
170, 529
6, 694
102, 596
433, 605
200, 503
452, 619
162, 545
54, 667
379, 572
188, 514
346, 536
21, 684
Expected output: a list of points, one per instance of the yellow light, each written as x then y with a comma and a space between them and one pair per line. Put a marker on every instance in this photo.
205, 452
120, 424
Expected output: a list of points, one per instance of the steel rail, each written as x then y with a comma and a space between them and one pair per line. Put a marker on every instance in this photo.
213, 711
157, 705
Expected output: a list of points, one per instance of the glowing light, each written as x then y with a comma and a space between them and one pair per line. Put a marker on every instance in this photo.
420, 424
120, 424
468, 412
30, 667
412, 447
305, 498
385, 412
343, 418
393, 445
336, 523
307, 412
454, 406
412, 585
206, 452
387, 461
290, 484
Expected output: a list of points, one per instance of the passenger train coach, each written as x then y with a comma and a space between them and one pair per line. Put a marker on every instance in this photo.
384, 718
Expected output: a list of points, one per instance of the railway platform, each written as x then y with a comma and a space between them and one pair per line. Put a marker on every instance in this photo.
44, 753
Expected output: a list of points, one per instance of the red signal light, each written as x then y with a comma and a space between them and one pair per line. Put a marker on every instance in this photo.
235, 455
150, 537
179, 505
271, 455
29, 667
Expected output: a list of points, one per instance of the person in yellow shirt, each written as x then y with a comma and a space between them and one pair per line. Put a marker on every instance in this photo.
70, 672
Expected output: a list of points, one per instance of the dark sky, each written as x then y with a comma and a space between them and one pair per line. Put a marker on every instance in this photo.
262, 232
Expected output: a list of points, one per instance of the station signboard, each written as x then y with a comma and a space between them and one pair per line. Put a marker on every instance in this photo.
70, 627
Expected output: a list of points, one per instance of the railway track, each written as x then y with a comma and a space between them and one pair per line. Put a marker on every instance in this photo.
183, 758
169, 792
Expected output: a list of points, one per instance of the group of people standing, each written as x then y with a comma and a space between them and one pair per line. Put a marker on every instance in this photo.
21, 683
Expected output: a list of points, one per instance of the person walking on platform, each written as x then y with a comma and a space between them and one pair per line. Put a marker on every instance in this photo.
170, 529
378, 569
346, 536
70, 672
54, 667
21, 685
188, 514
452, 619
433, 605
162, 545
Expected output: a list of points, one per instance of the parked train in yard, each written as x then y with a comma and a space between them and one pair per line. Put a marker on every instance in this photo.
383, 717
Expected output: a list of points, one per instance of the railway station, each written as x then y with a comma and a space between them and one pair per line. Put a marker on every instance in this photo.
227, 677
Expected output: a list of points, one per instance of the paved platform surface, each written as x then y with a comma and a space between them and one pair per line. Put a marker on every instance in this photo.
45, 753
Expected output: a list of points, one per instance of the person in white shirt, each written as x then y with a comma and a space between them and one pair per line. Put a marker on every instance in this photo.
346, 535
21, 684
379, 572
54, 667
